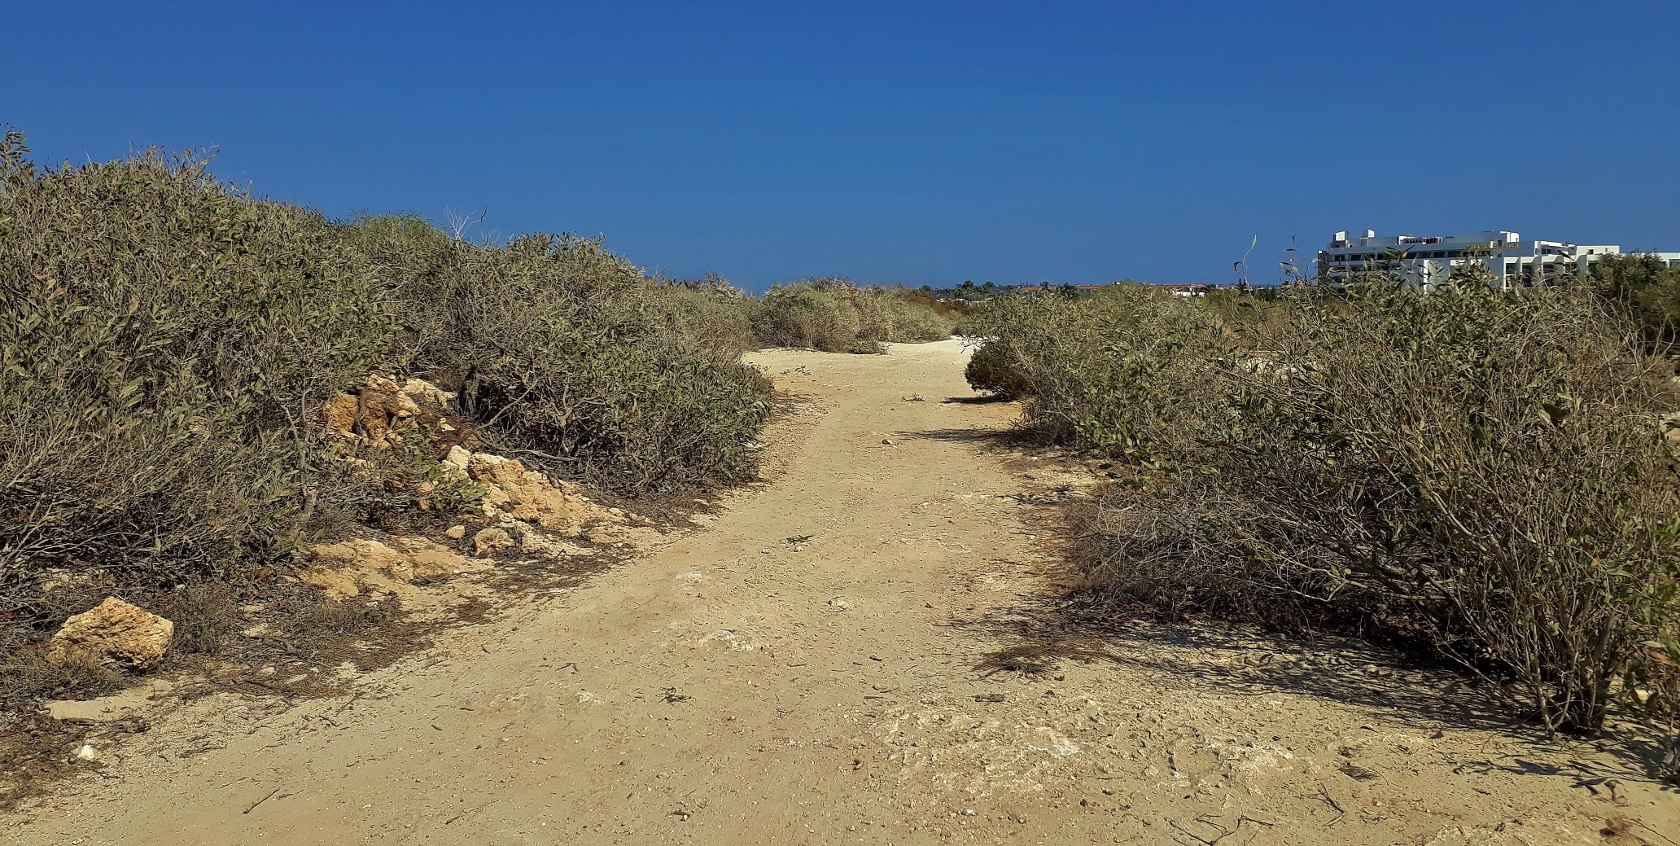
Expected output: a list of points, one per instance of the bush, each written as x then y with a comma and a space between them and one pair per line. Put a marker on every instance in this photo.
914, 320
166, 344
833, 315
1474, 470
164, 341
992, 368
1483, 466
1098, 372
567, 351
711, 311
1645, 289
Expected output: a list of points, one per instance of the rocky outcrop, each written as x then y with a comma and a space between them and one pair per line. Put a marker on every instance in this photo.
115, 632
373, 413
530, 496
513, 490
352, 567
427, 394
520, 508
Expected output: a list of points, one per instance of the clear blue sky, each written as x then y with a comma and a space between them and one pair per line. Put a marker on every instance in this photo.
896, 142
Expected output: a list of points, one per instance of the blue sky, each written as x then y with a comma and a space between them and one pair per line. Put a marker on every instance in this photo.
896, 142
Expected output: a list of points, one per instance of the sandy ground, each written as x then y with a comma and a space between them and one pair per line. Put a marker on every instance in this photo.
860, 650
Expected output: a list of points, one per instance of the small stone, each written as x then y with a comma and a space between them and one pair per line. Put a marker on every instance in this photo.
455, 463
116, 633
887, 441
455, 532
839, 603
87, 753
488, 542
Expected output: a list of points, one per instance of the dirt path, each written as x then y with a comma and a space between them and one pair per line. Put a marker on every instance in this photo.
855, 652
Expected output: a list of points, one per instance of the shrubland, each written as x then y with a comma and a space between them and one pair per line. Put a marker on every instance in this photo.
167, 343
1645, 289
1476, 473
834, 315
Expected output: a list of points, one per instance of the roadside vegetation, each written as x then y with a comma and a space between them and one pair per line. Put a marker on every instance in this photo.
168, 344
197, 384
835, 315
1477, 474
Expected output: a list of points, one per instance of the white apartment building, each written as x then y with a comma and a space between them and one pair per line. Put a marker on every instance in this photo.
1426, 261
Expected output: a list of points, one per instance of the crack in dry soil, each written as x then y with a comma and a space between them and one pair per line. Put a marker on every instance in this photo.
856, 651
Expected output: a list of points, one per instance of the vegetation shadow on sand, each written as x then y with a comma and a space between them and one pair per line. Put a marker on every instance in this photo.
1041, 631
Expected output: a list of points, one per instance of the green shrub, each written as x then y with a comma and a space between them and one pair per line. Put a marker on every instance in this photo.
166, 344
415, 271
810, 315
1103, 372
992, 368
1483, 466
568, 351
163, 342
570, 355
1476, 470
914, 320
1646, 290
834, 315
709, 310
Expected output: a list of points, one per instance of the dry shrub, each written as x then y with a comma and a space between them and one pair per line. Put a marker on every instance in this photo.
1644, 288
835, 315
716, 314
567, 352
1475, 470
992, 368
914, 320
30, 676
340, 617
205, 615
1106, 372
163, 341
166, 343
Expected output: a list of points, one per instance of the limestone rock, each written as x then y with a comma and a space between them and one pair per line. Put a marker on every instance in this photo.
339, 414
367, 415
382, 395
529, 495
427, 560
455, 532
488, 542
349, 567
367, 555
455, 463
117, 633
337, 584
427, 394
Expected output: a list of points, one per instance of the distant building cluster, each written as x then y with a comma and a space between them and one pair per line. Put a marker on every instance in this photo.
1503, 258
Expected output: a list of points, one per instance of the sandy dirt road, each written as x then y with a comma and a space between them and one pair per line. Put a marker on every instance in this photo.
858, 651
